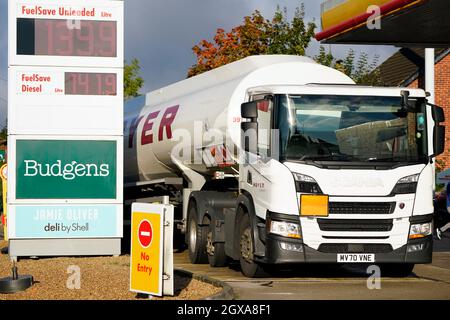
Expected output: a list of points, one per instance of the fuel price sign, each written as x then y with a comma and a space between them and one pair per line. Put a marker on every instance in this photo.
65, 125
67, 83
78, 33
63, 37
65, 100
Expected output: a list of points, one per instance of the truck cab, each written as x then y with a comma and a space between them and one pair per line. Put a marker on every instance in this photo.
339, 174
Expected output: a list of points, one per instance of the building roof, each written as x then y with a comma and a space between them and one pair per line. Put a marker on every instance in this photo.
406, 65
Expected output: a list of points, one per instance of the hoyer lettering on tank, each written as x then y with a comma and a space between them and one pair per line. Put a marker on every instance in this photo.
150, 129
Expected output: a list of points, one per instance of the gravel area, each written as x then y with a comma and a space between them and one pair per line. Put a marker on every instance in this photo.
102, 278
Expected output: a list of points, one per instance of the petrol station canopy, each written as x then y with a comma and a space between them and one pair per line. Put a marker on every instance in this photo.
406, 23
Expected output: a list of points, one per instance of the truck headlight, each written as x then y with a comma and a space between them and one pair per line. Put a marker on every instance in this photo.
406, 185
420, 230
306, 184
285, 229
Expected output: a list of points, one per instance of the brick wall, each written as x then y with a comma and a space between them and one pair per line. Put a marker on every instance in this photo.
442, 85
443, 100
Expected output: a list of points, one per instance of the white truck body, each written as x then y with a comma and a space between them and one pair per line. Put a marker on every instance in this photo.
195, 111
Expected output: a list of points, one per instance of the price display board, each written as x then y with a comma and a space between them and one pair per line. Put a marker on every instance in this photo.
65, 100
62, 37
90, 83
65, 127
77, 33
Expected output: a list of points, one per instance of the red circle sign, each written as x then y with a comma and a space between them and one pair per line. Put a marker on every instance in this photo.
145, 233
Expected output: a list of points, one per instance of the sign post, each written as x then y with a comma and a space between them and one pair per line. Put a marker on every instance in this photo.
151, 267
4, 177
65, 127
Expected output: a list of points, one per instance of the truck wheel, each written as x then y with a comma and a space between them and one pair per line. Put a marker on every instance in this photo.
196, 237
249, 267
397, 270
215, 251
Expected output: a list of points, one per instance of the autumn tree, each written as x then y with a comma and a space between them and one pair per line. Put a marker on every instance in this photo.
255, 36
132, 81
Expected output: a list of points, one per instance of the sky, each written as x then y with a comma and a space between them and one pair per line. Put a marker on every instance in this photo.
161, 33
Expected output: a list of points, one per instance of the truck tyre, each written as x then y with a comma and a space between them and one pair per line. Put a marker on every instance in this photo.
215, 251
196, 237
397, 270
249, 267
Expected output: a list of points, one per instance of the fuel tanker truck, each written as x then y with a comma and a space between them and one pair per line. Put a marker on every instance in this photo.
275, 160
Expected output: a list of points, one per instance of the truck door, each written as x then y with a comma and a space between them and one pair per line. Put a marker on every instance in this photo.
256, 178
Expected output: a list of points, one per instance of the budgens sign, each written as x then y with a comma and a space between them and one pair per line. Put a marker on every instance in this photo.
66, 169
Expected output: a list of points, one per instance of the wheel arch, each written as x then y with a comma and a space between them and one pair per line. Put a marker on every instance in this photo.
245, 201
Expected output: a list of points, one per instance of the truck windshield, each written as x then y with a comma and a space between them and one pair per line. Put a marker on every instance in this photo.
351, 129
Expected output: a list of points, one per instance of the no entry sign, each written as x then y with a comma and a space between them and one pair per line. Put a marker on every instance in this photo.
147, 240
145, 233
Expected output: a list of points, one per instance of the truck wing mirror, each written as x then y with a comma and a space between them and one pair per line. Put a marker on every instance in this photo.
438, 113
438, 140
250, 109
438, 131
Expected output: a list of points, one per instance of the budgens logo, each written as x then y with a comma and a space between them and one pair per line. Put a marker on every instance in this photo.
67, 171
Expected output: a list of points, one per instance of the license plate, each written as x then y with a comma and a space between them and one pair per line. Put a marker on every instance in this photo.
356, 257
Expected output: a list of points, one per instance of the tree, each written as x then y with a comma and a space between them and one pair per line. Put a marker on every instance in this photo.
325, 58
255, 36
4, 134
361, 70
132, 81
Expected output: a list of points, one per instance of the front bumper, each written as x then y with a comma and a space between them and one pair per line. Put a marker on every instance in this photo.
275, 254
417, 251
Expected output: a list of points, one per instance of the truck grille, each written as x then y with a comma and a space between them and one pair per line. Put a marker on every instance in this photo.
355, 225
355, 248
361, 207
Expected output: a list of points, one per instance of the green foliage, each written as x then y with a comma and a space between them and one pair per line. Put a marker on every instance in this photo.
361, 70
325, 58
289, 37
133, 82
4, 134
440, 166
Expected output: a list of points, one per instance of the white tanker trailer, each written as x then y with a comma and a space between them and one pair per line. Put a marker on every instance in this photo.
279, 160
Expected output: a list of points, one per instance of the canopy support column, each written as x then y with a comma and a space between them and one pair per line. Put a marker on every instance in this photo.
429, 74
